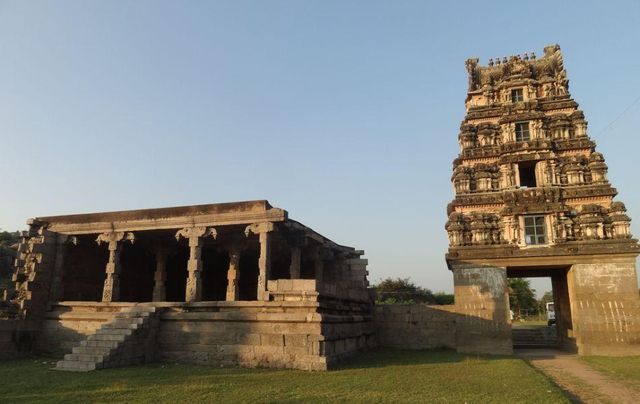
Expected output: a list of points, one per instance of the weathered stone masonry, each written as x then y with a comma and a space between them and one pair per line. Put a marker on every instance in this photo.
532, 198
236, 283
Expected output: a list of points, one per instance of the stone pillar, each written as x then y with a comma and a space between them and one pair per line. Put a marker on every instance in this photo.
264, 262
193, 291
318, 264
160, 276
562, 308
111, 290
482, 305
294, 267
57, 287
605, 307
233, 274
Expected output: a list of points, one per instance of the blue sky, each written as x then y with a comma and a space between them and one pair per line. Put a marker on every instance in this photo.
344, 113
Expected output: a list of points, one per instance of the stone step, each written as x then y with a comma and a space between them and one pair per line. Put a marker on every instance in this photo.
532, 338
107, 337
77, 366
89, 350
132, 315
138, 310
115, 331
125, 323
84, 357
99, 344
113, 344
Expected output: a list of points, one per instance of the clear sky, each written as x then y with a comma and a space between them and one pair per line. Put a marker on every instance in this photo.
344, 113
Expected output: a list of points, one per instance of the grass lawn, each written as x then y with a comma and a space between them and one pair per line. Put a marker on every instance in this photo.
626, 368
529, 324
378, 376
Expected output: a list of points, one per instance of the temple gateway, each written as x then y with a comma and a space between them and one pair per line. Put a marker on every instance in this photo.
532, 199
232, 283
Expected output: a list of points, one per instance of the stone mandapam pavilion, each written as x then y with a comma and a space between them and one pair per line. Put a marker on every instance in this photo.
231, 283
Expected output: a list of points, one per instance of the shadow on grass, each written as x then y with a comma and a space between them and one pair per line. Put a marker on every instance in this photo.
376, 375
386, 357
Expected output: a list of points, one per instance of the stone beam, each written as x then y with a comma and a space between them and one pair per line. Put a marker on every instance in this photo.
212, 220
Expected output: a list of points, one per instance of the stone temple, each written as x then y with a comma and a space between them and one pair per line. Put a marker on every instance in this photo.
243, 284
532, 199
230, 284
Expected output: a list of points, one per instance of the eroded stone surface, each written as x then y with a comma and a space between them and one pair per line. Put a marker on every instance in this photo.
235, 283
532, 198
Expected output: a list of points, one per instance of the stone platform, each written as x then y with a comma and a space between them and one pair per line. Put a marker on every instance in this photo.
299, 331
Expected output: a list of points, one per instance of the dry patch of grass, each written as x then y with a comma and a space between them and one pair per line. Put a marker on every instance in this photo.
623, 368
378, 376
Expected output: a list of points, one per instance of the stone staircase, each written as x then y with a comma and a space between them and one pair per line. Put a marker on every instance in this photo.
544, 337
127, 340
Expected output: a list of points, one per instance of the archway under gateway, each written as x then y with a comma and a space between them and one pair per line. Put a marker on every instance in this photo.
558, 334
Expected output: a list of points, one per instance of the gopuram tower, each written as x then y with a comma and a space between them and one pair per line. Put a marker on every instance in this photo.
532, 199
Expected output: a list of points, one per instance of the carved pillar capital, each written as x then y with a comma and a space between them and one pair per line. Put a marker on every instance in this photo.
114, 237
196, 232
259, 228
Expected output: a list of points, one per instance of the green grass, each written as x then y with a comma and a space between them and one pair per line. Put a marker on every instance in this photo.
529, 324
626, 368
378, 376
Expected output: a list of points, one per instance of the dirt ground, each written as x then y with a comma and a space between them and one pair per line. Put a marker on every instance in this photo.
579, 380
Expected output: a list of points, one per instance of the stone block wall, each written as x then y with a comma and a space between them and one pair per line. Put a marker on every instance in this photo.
282, 335
605, 307
416, 326
482, 305
295, 329
16, 338
298, 328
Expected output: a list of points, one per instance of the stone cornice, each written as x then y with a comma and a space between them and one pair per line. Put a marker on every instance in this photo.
224, 219
547, 199
559, 254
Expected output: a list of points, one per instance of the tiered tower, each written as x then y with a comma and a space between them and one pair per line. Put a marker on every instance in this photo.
532, 198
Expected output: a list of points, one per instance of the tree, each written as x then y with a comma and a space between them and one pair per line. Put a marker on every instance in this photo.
546, 298
521, 297
401, 290
8, 253
444, 298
